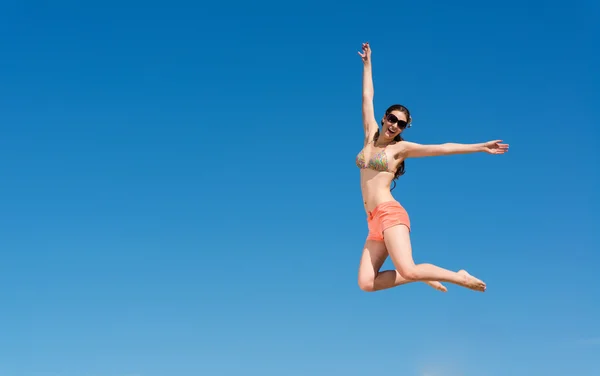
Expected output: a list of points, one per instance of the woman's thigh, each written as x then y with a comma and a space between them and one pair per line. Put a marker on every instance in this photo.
374, 255
397, 242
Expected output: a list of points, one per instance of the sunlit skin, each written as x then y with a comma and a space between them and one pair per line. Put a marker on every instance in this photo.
375, 186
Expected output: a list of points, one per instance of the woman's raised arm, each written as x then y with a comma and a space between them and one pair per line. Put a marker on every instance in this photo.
414, 150
368, 112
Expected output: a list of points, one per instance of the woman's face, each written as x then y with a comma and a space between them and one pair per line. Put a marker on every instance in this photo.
394, 123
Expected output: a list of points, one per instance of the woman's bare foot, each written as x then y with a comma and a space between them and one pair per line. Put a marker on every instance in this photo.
472, 282
436, 285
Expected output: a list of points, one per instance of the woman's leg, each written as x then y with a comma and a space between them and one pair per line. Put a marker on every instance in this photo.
371, 279
397, 240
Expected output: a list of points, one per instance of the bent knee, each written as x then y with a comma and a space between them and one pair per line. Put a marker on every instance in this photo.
409, 272
366, 284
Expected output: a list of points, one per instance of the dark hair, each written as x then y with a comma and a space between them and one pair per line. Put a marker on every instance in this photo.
396, 107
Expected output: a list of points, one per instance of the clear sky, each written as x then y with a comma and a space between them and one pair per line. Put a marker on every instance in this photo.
179, 194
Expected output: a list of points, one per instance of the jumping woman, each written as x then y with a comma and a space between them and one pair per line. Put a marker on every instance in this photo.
381, 161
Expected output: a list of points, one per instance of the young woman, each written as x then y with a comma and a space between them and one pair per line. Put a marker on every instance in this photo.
381, 161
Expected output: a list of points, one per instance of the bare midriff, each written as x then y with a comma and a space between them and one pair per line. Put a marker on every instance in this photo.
375, 187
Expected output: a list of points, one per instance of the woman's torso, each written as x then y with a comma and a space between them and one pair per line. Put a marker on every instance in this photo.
377, 169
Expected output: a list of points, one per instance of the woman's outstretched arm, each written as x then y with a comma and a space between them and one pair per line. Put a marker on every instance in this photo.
368, 92
414, 150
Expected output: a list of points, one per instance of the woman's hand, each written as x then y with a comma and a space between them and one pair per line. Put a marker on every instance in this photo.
366, 53
495, 147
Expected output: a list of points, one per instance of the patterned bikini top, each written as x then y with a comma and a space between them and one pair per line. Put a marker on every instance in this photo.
378, 162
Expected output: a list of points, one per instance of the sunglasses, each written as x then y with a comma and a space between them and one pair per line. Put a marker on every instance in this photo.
393, 119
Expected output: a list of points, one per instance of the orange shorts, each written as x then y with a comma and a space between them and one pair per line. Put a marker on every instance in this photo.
384, 216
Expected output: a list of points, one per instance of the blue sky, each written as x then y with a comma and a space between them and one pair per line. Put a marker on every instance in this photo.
179, 192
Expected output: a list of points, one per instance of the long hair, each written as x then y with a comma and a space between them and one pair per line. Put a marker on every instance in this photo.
401, 168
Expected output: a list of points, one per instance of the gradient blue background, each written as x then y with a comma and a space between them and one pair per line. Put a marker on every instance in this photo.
179, 194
